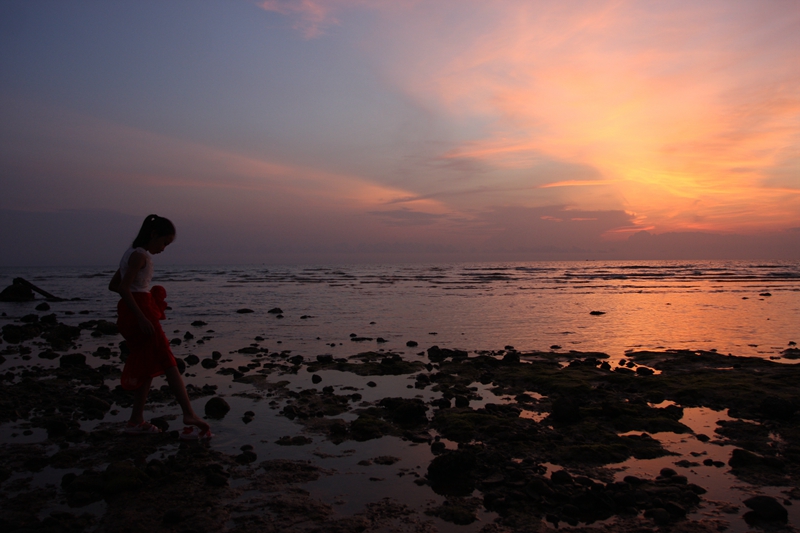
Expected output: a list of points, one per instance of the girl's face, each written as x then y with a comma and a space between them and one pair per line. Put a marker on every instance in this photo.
157, 244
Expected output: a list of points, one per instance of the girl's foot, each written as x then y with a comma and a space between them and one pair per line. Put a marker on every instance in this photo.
194, 433
143, 428
197, 422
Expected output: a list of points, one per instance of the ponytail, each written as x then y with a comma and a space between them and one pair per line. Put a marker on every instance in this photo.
153, 226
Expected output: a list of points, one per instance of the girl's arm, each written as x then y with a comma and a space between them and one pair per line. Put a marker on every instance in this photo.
113, 285
135, 264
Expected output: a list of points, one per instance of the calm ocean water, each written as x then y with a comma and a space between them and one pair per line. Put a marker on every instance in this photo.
738, 307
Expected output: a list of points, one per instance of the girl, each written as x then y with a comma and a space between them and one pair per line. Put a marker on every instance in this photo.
139, 312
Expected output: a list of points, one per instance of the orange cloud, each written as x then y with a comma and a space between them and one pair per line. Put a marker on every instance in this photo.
685, 110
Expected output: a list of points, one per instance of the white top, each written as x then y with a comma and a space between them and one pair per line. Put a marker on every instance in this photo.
142, 281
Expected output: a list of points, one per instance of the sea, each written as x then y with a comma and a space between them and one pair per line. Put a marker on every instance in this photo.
744, 308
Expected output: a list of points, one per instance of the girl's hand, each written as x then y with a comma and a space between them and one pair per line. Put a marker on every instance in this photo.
146, 327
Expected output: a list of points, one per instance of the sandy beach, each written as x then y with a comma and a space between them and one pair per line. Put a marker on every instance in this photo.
418, 440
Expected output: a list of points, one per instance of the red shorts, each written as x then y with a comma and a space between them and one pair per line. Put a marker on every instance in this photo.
149, 356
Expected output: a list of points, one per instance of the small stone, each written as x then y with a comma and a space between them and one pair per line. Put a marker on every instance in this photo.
217, 407
767, 508
244, 310
208, 363
316, 378
412, 344
275, 311
598, 313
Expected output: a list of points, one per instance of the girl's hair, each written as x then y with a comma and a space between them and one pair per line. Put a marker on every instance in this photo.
153, 224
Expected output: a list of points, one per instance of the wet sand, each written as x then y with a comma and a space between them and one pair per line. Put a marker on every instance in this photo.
423, 440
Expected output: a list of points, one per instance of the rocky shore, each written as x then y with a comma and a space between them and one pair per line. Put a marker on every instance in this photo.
543, 459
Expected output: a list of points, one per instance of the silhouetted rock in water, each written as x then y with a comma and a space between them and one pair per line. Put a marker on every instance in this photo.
412, 344
437, 355
17, 293
191, 359
791, 353
555, 347
217, 407
208, 363
774, 408
644, 371
216, 356
72, 360
296, 359
298, 440
316, 378
44, 306
380, 340
451, 473
275, 311
244, 310
511, 358
765, 508
325, 359
199, 323
597, 313
22, 290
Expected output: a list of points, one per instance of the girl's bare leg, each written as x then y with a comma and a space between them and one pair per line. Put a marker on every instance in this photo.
190, 418
139, 400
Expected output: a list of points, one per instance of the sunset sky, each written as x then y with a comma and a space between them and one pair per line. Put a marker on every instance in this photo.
340, 131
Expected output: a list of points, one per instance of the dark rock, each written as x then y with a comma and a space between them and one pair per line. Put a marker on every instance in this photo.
667, 472
172, 517
658, 515
297, 440
371, 384
44, 306
245, 310
644, 371
72, 360
217, 407
767, 508
296, 359
275, 311
743, 459
565, 410
412, 344
437, 355
216, 356
208, 363
774, 408
451, 473
246, 457
175, 342
597, 313
380, 340
561, 477
325, 359
16, 293
199, 323
191, 359
316, 378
